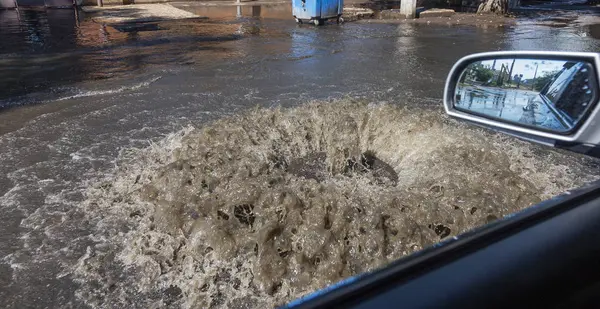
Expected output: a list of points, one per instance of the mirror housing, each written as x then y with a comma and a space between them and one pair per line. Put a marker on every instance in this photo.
582, 136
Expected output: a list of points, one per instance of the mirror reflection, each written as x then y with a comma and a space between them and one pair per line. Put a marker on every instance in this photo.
548, 94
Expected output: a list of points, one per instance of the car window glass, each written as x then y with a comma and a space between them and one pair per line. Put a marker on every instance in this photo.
561, 81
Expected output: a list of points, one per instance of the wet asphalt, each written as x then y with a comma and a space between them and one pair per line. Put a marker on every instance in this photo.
75, 92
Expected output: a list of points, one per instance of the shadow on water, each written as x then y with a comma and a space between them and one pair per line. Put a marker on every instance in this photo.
44, 52
35, 31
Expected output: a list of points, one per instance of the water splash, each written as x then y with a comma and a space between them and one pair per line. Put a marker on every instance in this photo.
210, 218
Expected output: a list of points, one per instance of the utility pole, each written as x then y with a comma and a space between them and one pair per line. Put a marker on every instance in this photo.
510, 72
534, 75
408, 8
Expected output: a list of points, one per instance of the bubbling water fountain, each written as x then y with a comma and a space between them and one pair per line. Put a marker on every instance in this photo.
255, 210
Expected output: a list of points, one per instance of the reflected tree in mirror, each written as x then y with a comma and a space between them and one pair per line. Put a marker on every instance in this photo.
547, 94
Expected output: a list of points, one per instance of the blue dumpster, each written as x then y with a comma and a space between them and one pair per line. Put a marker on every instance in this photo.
317, 11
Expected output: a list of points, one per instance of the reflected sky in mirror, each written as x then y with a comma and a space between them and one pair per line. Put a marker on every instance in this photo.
528, 67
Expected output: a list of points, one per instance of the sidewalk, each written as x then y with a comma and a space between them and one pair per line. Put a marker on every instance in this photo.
137, 13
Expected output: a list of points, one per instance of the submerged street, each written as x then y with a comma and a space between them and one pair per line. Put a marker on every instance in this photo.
524, 106
76, 94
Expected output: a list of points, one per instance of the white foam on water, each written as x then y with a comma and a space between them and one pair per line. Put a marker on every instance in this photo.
92, 93
209, 217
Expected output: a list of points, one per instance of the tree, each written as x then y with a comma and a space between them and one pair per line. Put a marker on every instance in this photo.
500, 7
481, 73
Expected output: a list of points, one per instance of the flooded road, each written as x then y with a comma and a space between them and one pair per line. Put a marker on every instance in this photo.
516, 105
77, 94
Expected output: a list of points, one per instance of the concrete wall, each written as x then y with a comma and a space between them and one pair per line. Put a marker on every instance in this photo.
408, 8
122, 2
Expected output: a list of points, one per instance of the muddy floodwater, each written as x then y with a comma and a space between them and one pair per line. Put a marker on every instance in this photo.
212, 217
241, 161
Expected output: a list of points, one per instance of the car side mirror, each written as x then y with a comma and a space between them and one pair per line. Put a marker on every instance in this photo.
546, 97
